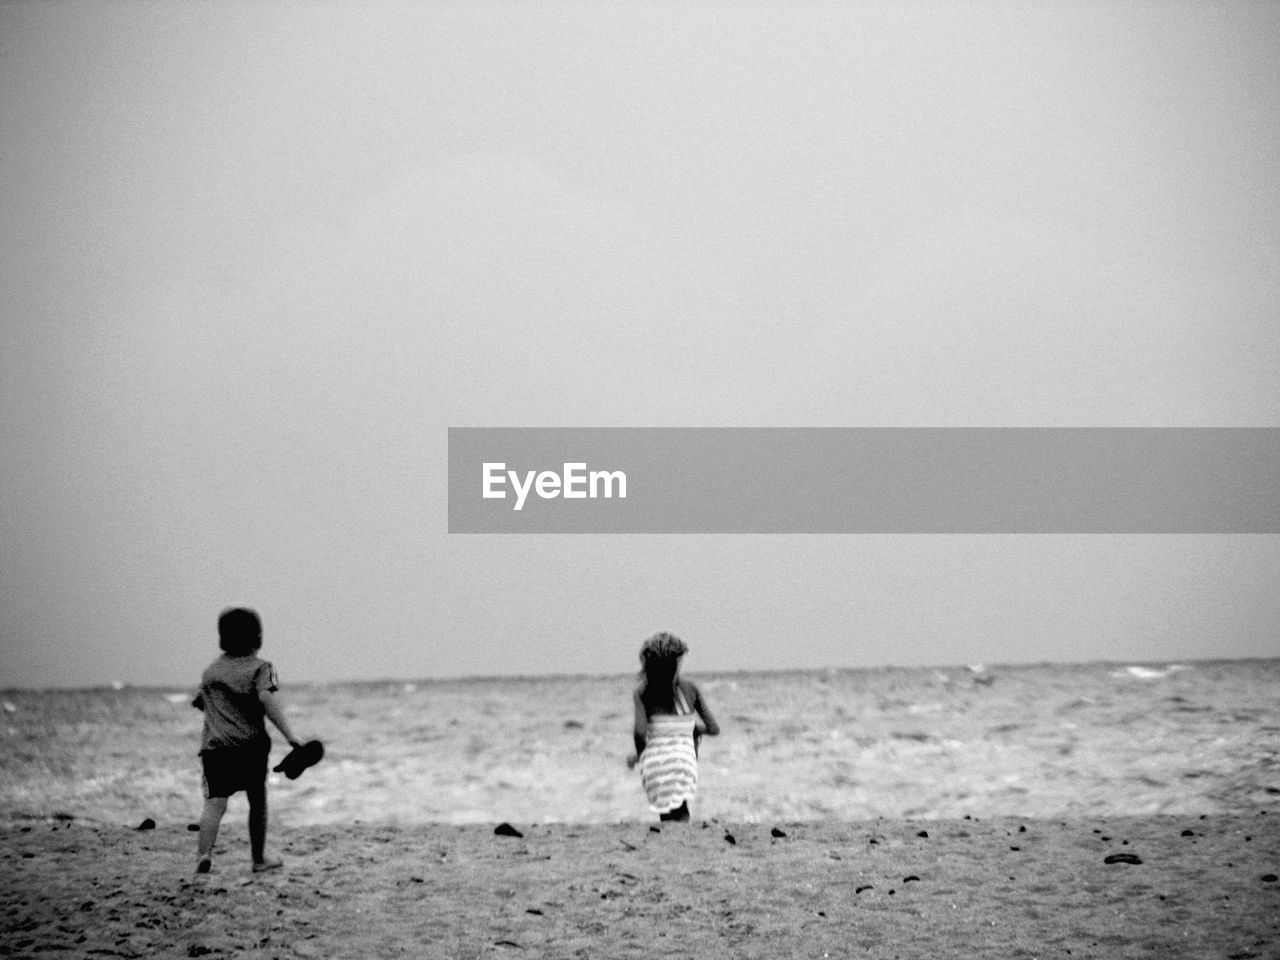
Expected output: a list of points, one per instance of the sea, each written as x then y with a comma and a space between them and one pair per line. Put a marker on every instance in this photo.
1035, 741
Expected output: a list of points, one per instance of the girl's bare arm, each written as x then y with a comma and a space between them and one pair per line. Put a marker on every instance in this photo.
641, 726
709, 725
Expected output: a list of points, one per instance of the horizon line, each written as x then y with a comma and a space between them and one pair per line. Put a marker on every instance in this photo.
975, 669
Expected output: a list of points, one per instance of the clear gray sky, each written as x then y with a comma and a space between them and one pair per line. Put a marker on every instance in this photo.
256, 259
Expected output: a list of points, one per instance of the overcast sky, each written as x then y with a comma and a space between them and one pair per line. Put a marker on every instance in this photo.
256, 259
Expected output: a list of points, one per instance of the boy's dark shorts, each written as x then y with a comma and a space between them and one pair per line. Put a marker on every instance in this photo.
228, 770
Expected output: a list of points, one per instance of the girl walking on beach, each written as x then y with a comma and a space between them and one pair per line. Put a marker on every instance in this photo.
671, 717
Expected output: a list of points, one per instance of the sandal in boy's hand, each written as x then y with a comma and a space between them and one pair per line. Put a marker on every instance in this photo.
302, 755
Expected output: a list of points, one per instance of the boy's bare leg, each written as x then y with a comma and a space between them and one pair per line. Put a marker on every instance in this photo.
258, 828
210, 820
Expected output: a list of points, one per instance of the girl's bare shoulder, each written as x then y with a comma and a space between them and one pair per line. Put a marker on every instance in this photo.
688, 686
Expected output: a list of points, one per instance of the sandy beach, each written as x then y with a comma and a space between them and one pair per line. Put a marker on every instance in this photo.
893, 813
1005, 888
914, 361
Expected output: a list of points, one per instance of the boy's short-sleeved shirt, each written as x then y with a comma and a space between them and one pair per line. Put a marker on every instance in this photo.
233, 713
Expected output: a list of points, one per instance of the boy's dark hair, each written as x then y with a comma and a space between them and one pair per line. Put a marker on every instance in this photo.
239, 631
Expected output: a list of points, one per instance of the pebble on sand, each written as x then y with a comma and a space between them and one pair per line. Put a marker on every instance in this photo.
505, 829
147, 824
1122, 858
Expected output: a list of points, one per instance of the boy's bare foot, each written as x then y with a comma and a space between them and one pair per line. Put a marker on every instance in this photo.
264, 865
204, 865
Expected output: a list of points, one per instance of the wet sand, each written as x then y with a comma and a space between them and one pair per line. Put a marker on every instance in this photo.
1205, 887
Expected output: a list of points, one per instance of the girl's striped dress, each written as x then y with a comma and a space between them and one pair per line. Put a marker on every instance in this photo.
669, 764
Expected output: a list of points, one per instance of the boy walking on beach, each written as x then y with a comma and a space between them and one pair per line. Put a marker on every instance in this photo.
237, 694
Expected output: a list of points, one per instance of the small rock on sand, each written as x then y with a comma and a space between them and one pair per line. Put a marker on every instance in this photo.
505, 829
1122, 858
